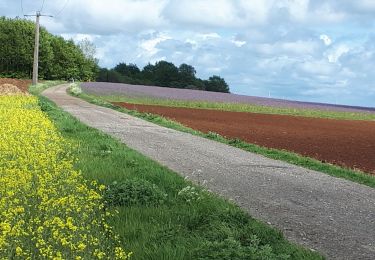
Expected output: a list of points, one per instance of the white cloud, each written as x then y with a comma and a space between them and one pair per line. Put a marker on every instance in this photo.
298, 9
326, 13
222, 13
299, 47
238, 43
217, 13
257, 45
367, 6
325, 38
150, 45
318, 67
302, 47
207, 36
102, 17
79, 37
335, 54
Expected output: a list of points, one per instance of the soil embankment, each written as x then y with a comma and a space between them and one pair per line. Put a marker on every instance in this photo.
13, 86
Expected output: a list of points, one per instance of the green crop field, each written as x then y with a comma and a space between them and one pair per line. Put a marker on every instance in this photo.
239, 107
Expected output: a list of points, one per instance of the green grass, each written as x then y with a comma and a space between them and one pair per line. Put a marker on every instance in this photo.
205, 228
239, 107
44, 85
290, 157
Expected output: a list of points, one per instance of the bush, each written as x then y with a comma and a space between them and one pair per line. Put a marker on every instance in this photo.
134, 192
75, 89
190, 194
232, 249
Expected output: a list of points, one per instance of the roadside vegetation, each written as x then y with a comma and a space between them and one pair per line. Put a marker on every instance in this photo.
162, 215
240, 107
290, 157
47, 209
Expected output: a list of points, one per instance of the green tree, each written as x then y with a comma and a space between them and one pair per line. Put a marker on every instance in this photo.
58, 59
165, 73
187, 77
217, 84
130, 70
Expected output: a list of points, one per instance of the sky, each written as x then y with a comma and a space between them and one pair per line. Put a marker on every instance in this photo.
320, 51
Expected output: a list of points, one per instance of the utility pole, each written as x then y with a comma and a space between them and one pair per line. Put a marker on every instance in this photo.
36, 47
36, 51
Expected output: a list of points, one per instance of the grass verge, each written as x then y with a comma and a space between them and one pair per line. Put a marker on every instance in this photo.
44, 85
240, 107
282, 155
161, 215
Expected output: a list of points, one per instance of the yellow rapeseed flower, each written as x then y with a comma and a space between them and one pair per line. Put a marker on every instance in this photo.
47, 209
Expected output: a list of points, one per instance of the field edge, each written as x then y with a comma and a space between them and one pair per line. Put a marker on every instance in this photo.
282, 155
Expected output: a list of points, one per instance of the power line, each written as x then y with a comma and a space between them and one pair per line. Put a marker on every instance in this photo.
41, 9
23, 14
62, 9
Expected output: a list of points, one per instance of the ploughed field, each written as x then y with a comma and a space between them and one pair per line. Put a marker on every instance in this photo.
346, 143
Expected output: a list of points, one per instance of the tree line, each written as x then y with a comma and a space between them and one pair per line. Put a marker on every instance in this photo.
58, 58
61, 59
163, 74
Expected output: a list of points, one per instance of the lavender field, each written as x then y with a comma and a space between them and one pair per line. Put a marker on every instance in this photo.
140, 91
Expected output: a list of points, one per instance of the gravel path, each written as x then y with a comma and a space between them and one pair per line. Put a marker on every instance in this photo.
333, 216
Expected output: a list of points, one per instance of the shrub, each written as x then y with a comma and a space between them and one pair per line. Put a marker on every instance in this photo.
190, 194
231, 249
134, 192
75, 89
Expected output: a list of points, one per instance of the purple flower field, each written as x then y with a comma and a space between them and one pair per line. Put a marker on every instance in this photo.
101, 88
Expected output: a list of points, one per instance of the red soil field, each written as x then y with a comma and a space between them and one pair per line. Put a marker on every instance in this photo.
341, 142
21, 84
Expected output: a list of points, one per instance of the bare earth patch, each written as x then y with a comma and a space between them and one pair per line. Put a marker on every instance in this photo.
9, 89
13, 86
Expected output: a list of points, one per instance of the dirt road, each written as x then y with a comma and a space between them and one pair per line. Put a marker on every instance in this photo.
331, 215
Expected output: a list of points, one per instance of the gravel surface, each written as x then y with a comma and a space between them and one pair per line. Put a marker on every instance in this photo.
101, 88
333, 216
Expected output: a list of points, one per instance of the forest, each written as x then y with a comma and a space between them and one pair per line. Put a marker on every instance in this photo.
58, 58
163, 74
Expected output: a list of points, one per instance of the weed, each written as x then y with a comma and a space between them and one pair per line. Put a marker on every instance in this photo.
134, 192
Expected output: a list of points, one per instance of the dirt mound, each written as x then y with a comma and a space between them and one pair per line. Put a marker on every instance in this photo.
22, 85
9, 89
341, 142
